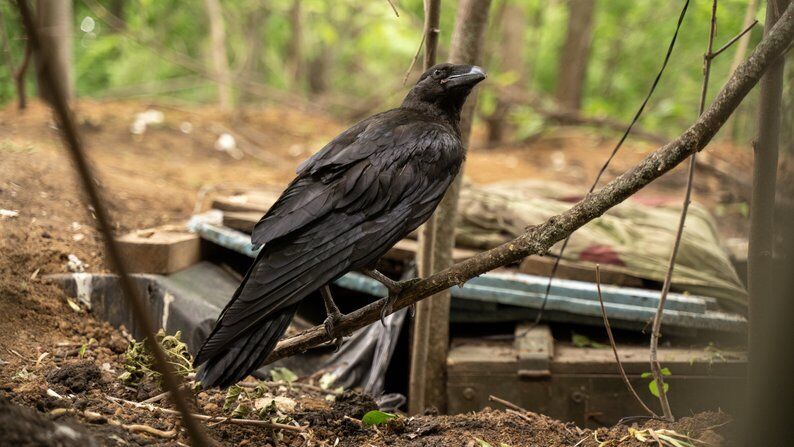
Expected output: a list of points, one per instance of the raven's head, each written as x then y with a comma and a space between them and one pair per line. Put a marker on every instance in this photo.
444, 86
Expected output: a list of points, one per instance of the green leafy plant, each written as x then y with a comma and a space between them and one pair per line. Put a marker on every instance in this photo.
281, 374
484, 443
583, 341
139, 362
376, 417
652, 385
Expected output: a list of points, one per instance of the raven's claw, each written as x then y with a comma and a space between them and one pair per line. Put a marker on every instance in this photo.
330, 325
395, 289
333, 316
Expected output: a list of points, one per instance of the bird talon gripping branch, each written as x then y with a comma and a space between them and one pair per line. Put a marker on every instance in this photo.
349, 204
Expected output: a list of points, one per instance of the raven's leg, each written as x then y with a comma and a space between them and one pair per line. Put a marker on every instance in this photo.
394, 287
332, 312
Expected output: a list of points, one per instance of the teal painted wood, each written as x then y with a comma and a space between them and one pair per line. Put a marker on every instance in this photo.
526, 291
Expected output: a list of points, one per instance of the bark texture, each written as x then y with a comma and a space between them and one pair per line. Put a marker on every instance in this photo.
761, 266
422, 377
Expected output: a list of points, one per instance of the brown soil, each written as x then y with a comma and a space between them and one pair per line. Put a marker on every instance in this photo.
53, 357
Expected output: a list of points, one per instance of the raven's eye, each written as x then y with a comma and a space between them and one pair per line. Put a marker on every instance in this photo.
438, 73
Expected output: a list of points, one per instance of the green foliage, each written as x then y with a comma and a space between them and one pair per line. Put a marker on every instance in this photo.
583, 341
139, 362
376, 417
257, 402
281, 374
653, 387
163, 49
484, 443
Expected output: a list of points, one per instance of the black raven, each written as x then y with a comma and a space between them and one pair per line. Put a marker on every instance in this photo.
349, 204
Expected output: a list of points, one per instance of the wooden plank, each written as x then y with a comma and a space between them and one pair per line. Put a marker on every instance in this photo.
160, 250
241, 220
569, 359
259, 200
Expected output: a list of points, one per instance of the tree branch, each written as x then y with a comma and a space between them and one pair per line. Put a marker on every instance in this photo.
538, 239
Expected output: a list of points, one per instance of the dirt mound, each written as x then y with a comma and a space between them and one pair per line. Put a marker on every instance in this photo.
22, 427
355, 405
76, 377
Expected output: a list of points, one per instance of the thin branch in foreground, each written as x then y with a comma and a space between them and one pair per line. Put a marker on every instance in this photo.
540, 238
614, 152
612, 343
203, 417
71, 139
656, 368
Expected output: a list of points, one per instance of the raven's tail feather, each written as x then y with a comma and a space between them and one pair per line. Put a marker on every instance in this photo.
246, 353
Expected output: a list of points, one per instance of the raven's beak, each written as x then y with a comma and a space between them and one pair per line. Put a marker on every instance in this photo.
467, 76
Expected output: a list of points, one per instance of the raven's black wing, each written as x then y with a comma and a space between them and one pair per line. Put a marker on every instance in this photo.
349, 204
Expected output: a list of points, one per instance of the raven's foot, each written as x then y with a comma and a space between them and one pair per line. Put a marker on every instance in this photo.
333, 316
393, 295
395, 288
330, 328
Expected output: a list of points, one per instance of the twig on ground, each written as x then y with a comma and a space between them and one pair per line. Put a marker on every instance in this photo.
506, 403
656, 368
145, 429
156, 398
204, 417
251, 385
519, 414
538, 239
615, 348
95, 417
71, 139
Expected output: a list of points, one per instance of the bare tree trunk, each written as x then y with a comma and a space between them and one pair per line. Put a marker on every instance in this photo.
466, 48
318, 70
572, 68
761, 275
511, 59
423, 377
787, 136
54, 21
295, 46
18, 74
220, 60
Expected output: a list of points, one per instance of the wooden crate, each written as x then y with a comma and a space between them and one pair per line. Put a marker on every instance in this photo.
582, 385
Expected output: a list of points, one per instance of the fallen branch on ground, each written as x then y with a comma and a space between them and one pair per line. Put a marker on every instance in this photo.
538, 239
95, 417
204, 417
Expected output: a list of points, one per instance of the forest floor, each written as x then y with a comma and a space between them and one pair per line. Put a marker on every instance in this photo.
59, 366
